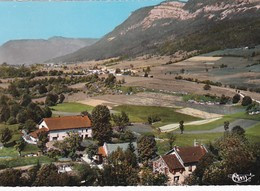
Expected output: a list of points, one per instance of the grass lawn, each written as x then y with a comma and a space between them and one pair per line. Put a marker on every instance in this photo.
244, 115
139, 114
23, 161
254, 133
208, 126
72, 107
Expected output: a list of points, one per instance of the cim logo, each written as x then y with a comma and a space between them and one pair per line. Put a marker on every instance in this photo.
241, 178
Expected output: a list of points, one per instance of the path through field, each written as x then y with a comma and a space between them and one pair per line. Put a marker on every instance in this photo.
244, 123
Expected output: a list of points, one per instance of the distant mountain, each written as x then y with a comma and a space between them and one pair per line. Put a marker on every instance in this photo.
200, 25
38, 51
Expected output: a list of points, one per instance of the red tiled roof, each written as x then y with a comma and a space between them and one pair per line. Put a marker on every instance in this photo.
35, 133
67, 122
101, 151
191, 154
172, 162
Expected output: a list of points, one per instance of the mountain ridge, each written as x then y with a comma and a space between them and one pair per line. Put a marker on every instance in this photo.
29, 51
149, 29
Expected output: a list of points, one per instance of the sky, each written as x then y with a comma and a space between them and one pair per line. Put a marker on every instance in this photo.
77, 19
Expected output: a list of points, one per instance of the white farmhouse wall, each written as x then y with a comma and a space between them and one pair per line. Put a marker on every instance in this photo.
43, 124
61, 134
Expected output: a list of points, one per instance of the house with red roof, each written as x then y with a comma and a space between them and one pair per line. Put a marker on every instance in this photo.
179, 163
59, 127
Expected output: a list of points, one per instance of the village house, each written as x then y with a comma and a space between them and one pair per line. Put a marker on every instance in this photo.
179, 163
106, 150
59, 127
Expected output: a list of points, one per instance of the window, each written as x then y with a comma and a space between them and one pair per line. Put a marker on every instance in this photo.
190, 168
176, 178
54, 138
166, 171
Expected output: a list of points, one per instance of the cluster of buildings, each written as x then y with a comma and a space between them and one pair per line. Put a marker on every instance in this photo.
177, 164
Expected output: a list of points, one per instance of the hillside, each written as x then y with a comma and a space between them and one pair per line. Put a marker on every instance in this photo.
38, 51
198, 25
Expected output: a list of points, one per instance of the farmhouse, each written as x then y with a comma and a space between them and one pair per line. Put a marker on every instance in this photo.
59, 127
179, 163
106, 150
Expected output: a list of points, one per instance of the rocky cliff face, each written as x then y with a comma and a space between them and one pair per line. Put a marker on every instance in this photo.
160, 28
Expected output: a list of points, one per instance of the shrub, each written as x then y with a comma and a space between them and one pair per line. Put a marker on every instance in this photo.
246, 101
11, 121
153, 118
207, 87
223, 99
236, 98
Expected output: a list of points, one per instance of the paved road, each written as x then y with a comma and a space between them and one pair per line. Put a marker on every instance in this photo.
244, 123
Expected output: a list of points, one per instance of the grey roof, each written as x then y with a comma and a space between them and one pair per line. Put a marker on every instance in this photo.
124, 146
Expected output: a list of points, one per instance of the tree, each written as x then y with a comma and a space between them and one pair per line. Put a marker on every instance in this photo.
86, 113
181, 126
246, 101
6, 135
14, 109
10, 177
42, 140
48, 176
13, 90
121, 120
71, 145
42, 89
26, 100
235, 156
101, 126
127, 136
87, 174
61, 98
171, 138
201, 167
110, 80
5, 113
29, 125
236, 99
226, 125
223, 99
237, 130
148, 178
22, 116
121, 169
118, 71
47, 112
19, 146
51, 99
91, 150
146, 147
207, 87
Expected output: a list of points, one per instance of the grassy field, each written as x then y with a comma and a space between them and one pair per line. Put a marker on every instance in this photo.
23, 161
254, 133
243, 115
140, 114
11, 152
209, 126
72, 107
